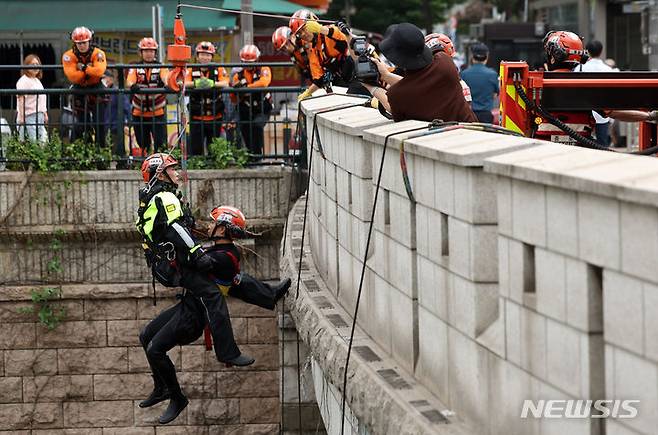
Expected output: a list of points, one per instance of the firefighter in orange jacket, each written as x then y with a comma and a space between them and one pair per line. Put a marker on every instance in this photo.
283, 39
148, 110
84, 66
207, 106
254, 108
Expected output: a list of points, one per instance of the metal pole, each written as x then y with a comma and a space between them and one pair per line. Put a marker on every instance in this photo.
160, 38
247, 22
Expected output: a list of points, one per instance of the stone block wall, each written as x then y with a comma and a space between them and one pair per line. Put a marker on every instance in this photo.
520, 270
90, 372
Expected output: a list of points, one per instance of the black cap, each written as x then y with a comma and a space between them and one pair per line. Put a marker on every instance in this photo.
479, 51
404, 45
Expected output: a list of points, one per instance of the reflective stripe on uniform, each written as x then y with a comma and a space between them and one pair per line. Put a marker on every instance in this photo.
172, 207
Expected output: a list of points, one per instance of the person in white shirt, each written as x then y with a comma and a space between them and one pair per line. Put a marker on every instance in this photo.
595, 64
31, 110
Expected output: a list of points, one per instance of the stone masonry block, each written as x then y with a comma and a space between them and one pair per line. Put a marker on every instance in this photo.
551, 275
73, 334
637, 379
346, 293
259, 410
504, 207
562, 221
332, 265
199, 385
93, 360
533, 343
513, 345
529, 212
342, 188
262, 330
124, 332
214, 411
444, 181
521, 269
98, 414
503, 266
472, 307
30, 362
563, 357
57, 388
623, 311
424, 190
433, 287
475, 196
122, 386
469, 386
433, 352
248, 384
381, 326
651, 321
146, 310
429, 233
359, 154
473, 251
331, 216
11, 390
344, 228
598, 230
639, 241
404, 329
330, 180
363, 193
18, 336
401, 265
36, 415
110, 309
584, 296
403, 224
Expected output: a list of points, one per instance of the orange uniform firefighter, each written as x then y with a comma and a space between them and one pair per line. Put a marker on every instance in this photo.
148, 110
565, 52
84, 66
254, 108
206, 102
283, 39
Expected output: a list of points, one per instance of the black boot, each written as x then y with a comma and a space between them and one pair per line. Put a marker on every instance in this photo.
159, 394
281, 289
241, 360
177, 403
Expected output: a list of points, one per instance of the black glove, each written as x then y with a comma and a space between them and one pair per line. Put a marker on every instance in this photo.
343, 27
327, 78
135, 87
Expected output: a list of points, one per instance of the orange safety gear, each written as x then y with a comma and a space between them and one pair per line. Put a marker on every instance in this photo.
563, 47
440, 42
81, 34
93, 63
280, 36
205, 47
328, 52
229, 216
153, 162
249, 53
147, 44
299, 18
207, 105
148, 105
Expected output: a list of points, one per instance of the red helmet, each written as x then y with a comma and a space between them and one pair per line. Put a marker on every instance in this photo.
249, 53
564, 47
299, 18
232, 218
440, 42
81, 34
147, 44
280, 37
205, 47
155, 161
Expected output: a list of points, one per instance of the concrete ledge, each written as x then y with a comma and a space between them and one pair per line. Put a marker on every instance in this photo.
383, 396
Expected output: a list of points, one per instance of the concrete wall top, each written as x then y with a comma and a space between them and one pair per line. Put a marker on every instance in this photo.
615, 175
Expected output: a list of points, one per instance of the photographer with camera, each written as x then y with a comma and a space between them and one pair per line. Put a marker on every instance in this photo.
430, 88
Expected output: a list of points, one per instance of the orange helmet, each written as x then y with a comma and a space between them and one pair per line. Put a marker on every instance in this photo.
249, 53
147, 44
232, 218
299, 18
564, 47
155, 161
280, 37
440, 42
205, 47
81, 34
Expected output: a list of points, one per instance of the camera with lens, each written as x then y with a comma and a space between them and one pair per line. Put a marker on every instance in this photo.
365, 69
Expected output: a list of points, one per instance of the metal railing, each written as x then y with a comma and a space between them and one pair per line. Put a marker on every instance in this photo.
251, 118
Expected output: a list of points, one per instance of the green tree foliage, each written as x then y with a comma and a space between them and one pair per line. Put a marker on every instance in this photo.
376, 16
